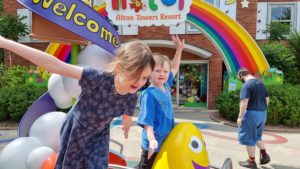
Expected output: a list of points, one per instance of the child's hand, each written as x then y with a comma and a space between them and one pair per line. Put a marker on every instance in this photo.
126, 124
179, 44
152, 147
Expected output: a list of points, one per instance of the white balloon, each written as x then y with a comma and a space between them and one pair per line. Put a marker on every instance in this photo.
95, 57
47, 129
37, 157
71, 86
57, 92
14, 155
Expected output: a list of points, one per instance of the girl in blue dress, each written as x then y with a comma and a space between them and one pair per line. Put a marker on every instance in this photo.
105, 95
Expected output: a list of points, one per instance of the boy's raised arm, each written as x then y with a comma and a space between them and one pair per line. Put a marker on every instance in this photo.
176, 60
45, 60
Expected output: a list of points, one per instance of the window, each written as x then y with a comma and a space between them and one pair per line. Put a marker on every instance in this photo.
283, 13
190, 29
213, 2
27, 21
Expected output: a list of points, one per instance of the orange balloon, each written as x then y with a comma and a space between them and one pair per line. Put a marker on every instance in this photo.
49, 163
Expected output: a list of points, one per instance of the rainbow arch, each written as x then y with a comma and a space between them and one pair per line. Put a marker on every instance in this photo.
237, 47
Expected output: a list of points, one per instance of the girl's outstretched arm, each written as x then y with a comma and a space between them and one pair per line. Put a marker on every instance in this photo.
45, 60
176, 60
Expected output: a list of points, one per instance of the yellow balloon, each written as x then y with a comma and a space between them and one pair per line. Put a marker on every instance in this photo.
183, 148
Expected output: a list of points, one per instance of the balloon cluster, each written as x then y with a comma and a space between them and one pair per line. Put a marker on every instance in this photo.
64, 89
39, 150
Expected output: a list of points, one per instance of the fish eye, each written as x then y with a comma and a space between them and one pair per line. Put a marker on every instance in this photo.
195, 144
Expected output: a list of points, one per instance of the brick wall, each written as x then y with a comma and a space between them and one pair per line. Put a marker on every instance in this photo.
11, 6
245, 16
17, 60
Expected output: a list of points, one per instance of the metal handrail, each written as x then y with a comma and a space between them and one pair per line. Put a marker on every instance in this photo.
119, 144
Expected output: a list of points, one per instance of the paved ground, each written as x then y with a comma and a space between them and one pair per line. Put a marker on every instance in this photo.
221, 141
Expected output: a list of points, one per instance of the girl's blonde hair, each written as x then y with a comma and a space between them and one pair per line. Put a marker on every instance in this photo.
133, 57
161, 59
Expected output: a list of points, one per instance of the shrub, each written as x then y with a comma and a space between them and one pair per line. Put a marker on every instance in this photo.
4, 97
277, 31
228, 105
284, 107
1, 56
15, 100
14, 75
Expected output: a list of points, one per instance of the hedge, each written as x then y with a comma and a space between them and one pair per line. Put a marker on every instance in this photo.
284, 107
15, 100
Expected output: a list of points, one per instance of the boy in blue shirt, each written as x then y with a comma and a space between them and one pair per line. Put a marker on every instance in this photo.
156, 111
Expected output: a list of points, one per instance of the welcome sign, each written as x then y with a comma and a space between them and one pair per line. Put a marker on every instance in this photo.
147, 12
79, 18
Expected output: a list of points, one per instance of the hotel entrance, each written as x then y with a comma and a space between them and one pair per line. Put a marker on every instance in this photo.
190, 85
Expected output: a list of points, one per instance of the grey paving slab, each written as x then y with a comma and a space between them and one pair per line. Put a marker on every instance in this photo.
221, 141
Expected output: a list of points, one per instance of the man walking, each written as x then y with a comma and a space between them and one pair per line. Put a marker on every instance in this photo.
254, 99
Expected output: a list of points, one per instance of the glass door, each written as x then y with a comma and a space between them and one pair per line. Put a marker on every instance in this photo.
191, 86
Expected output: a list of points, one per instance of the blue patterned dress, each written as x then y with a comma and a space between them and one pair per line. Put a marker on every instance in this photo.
85, 131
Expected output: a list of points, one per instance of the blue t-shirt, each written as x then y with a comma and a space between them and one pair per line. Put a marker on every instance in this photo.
156, 110
256, 92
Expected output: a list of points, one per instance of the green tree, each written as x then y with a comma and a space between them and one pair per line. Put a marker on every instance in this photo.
278, 55
281, 57
1, 50
1, 7
278, 31
294, 45
12, 27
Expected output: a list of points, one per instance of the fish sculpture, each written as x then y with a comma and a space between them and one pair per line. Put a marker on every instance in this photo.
184, 148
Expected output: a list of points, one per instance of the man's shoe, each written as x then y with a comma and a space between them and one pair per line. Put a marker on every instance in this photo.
264, 159
248, 164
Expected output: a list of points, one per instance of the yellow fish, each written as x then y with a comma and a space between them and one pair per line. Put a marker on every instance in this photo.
184, 148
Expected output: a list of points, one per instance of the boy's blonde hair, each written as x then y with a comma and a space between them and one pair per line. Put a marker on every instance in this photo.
133, 57
161, 59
